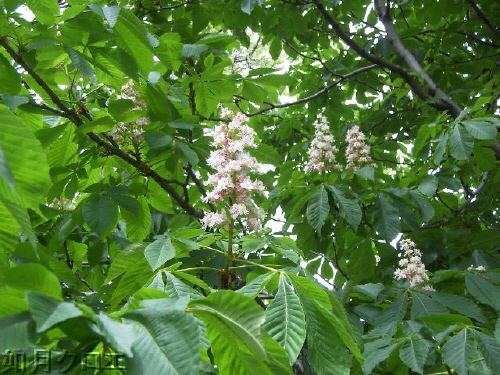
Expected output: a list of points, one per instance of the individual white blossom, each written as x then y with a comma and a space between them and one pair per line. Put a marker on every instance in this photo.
478, 268
411, 267
127, 133
231, 185
322, 151
357, 151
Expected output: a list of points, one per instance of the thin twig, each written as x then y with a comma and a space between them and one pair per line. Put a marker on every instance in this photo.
324, 90
483, 17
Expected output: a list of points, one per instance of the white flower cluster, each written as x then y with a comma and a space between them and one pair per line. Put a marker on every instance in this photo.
232, 187
127, 133
357, 152
411, 267
478, 268
321, 151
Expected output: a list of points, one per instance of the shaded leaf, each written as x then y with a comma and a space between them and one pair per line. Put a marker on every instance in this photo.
458, 351
285, 320
318, 209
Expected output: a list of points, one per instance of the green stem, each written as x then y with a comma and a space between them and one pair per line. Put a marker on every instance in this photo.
225, 277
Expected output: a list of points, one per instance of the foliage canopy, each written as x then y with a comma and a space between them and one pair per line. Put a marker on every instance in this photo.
107, 112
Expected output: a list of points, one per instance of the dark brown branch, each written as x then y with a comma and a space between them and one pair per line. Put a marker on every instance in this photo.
324, 90
434, 89
77, 274
369, 56
483, 17
73, 116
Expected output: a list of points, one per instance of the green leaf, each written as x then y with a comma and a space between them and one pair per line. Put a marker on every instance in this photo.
17, 332
233, 323
111, 14
188, 152
426, 209
32, 277
285, 320
331, 308
414, 354
461, 305
349, 208
329, 355
386, 219
45, 11
491, 351
395, 312
158, 252
100, 212
133, 36
175, 288
139, 224
461, 143
481, 129
193, 50
129, 272
253, 92
375, 357
168, 342
483, 290
11, 82
423, 305
428, 186
29, 167
247, 6
318, 209
48, 311
120, 336
458, 351
81, 63
253, 288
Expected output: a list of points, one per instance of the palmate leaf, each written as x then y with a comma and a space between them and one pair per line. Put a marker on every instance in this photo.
100, 212
285, 320
329, 355
461, 143
48, 311
24, 155
168, 342
349, 208
481, 128
413, 353
460, 304
252, 288
330, 308
386, 219
32, 277
17, 332
458, 352
234, 323
483, 290
318, 209
491, 351
158, 252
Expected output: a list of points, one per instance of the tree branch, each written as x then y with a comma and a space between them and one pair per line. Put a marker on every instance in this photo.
402, 51
483, 17
73, 116
369, 56
313, 96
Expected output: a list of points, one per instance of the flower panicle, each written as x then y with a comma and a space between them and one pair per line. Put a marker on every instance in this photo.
411, 267
231, 185
322, 152
357, 151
